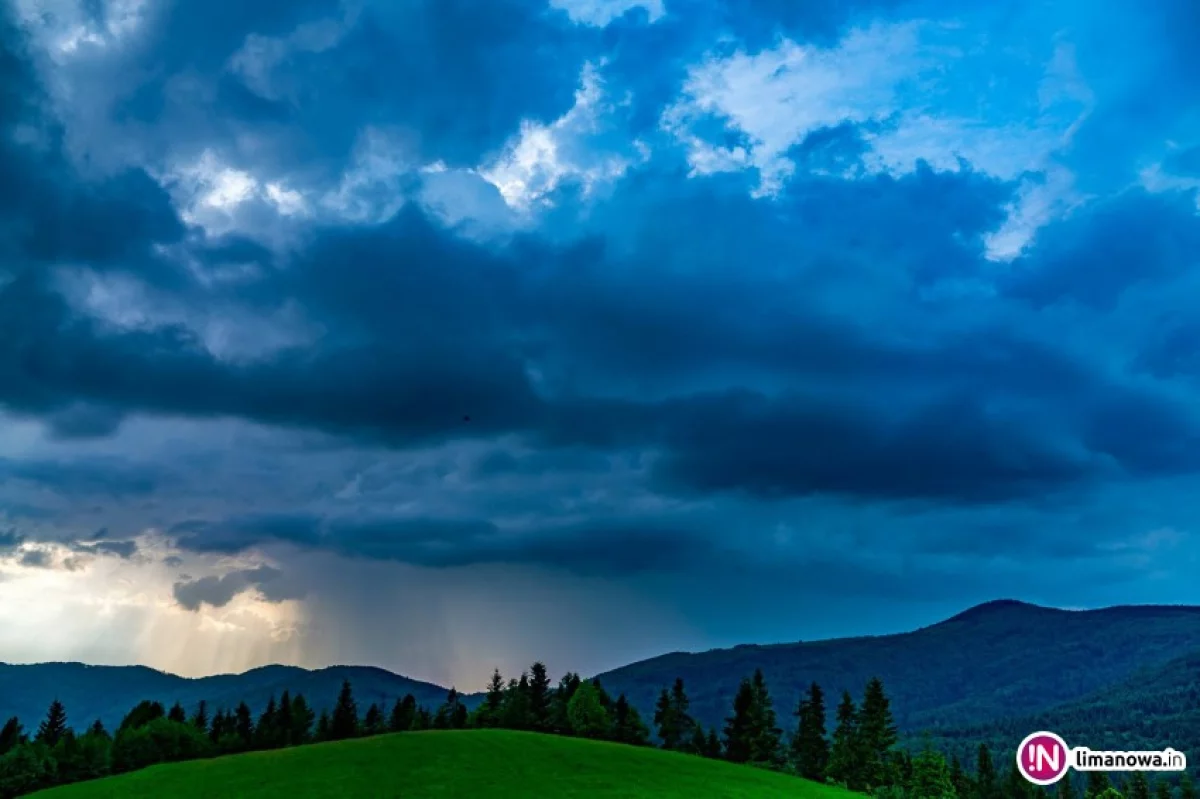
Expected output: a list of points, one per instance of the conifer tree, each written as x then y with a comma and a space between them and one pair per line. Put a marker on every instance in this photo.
1137, 786
698, 742
97, 729
302, 720
712, 746
264, 731
403, 714
284, 723
344, 722
1097, 784
373, 722
671, 718
1162, 789
1064, 789
54, 727
539, 697
323, 726
810, 749
489, 711
177, 714
680, 704
931, 776
739, 727
959, 779
765, 745
1187, 789
423, 720
200, 718
843, 768
627, 723
244, 724
560, 702
11, 734
514, 711
877, 735
986, 784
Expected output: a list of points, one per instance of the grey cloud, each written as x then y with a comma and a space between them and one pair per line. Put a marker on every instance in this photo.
220, 591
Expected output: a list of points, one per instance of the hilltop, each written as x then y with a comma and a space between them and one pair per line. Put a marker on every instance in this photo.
452, 764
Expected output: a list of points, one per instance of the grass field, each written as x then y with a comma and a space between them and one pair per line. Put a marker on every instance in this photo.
469, 763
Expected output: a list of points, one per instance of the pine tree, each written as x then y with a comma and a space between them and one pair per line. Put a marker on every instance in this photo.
843, 768
52, 729
97, 729
1097, 784
1187, 789
680, 704
765, 744
489, 711
323, 726
1064, 789
986, 784
664, 722
423, 720
1137, 786
539, 697
698, 742
403, 714
877, 735
627, 724
373, 721
177, 714
344, 722
244, 724
284, 723
302, 720
958, 777
810, 749
11, 734
264, 731
713, 746
200, 719
739, 728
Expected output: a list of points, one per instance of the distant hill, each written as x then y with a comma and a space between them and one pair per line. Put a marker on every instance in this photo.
431, 765
1152, 709
996, 660
108, 692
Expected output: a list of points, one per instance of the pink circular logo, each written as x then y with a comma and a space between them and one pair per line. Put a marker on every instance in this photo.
1042, 758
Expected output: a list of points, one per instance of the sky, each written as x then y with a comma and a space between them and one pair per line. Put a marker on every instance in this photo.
443, 335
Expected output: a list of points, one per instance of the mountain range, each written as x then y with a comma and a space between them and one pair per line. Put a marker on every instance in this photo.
992, 673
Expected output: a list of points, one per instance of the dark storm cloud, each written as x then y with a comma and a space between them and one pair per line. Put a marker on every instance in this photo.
596, 548
84, 477
219, 591
120, 549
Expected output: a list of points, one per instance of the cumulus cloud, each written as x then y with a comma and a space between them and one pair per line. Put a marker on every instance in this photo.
219, 591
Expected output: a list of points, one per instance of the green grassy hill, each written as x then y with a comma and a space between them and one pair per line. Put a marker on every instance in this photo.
451, 764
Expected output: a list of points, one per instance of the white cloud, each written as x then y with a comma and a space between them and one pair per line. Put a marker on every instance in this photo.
601, 12
542, 157
65, 28
778, 96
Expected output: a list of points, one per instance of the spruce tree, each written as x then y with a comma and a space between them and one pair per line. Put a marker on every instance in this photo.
664, 722
986, 784
284, 724
423, 720
539, 697
489, 711
264, 731
54, 727
765, 745
177, 714
11, 734
302, 720
200, 719
403, 714
810, 749
373, 723
843, 768
244, 724
713, 746
344, 722
680, 704
1137, 786
1187, 789
1097, 784
514, 710
958, 777
97, 729
1064, 789
740, 727
698, 742
323, 727
627, 724
877, 736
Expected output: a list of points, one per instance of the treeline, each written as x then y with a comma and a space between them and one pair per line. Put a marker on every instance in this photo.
861, 753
